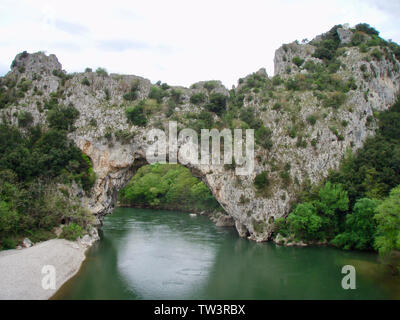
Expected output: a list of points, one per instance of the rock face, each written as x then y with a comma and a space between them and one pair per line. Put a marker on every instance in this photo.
345, 35
115, 161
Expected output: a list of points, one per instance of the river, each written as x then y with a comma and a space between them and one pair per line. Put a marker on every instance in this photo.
153, 254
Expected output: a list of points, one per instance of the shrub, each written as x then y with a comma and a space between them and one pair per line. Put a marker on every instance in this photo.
277, 106
133, 93
198, 98
176, 95
101, 72
165, 86
285, 176
93, 122
258, 226
217, 103
376, 54
335, 100
360, 227
261, 180
304, 222
25, 118
365, 27
136, 115
311, 119
62, 118
124, 136
388, 220
72, 232
357, 39
107, 94
210, 85
281, 227
157, 93
297, 61
263, 137
85, 81
277, 80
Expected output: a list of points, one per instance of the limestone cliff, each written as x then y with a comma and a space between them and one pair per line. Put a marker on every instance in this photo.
307, 137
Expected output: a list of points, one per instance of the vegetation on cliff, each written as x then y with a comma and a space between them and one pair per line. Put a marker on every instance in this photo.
36, 167
168, 186
358, 207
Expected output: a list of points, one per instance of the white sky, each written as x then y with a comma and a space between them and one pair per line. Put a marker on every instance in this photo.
178, 42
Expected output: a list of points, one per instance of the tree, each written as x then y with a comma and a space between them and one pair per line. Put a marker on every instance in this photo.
332, 204
62, 118
365, 27
304, 222
388, 220
360, 226
217, 103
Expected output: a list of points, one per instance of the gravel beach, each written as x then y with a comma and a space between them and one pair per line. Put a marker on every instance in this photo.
21, 270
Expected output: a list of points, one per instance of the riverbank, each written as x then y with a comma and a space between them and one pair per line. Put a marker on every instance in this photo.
21, 270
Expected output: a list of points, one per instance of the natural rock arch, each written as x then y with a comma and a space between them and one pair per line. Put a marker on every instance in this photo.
99, 100
115, 171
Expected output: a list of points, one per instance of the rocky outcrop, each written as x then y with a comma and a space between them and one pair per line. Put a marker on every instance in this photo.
102, 116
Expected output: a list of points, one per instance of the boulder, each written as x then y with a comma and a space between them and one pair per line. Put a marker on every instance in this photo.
27, 243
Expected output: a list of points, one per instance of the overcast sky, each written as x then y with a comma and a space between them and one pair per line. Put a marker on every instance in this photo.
179, 42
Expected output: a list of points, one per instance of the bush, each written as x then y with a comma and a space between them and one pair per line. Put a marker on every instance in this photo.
124, 136
281, 227
133, 93
388, 224
157, 93
101, 72
85, 81
62, 118
261, 180
198, 98
32, 167
25, 118
360, 227
305, 223
263, 137
72, 232
217, 103
311, 119
210, 85
176, 95
297, 61
335, 100
376, 54
357, 39
277, 80
136, 115
365, 27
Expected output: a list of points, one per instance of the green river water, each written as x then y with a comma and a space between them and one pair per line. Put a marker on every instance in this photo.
153, 254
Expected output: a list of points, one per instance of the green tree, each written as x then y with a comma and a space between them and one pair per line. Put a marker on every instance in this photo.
304, 222
388, 220
360, 227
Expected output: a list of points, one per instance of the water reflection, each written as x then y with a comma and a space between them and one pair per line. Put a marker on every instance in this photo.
162, 264
150, 254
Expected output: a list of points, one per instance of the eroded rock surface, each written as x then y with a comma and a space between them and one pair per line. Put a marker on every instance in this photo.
115, 162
